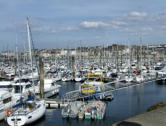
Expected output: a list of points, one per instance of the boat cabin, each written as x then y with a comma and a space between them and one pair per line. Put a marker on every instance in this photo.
5, 103
94, 84
22, 87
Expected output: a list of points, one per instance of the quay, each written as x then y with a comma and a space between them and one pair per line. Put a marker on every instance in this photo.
153, 118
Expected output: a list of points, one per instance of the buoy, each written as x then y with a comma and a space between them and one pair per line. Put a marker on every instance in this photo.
88, 109
9, 112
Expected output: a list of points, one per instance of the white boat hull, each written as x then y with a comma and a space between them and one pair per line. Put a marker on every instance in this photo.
49, 90
79, 79
21, 119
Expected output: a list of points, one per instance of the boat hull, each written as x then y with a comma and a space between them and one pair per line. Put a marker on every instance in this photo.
21, 119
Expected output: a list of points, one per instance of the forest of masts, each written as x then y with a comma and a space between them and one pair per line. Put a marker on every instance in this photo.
116, 53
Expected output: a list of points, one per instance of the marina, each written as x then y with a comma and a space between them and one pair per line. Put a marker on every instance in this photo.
82, 63
43, 85
77, 93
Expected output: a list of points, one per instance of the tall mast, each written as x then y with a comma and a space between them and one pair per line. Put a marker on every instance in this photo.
29, 43
30, 51
18, 64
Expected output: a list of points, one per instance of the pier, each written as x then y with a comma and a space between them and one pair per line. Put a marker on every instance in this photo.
55, 103
76, 95
109, 87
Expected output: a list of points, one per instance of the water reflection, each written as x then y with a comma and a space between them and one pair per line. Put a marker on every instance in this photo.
140, 89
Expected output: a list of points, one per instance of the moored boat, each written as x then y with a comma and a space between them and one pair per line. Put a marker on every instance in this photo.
28, 113
95, 110
94, 84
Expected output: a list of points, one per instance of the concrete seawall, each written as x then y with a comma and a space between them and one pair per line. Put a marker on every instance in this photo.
153, 118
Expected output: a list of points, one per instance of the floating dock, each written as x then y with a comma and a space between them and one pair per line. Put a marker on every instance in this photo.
55, 103
153, 118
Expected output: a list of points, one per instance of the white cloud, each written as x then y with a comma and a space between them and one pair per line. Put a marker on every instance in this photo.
138, 14
115, 24
134, 18
97, 24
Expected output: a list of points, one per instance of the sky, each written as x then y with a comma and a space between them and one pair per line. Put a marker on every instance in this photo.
72, 23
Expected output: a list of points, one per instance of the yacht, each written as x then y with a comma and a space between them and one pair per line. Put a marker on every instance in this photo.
5, 85
28, 113
79, 77
50, 88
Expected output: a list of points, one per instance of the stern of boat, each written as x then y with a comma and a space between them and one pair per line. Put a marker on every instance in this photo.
16, 120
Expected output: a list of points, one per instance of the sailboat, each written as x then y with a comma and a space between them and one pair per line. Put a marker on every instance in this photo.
28, 111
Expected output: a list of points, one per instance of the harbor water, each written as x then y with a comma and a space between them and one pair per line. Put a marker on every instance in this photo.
127, 102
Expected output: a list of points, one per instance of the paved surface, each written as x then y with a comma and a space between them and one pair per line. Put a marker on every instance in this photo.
153, 118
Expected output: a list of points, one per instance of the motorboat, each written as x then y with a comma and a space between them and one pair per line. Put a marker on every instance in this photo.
50, 88
72, 109
5, 85
95, 110
94, 84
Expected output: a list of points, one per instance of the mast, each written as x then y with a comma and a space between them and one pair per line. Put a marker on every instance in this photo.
30, 53
29, 43
24, 53
141, 56
18, 65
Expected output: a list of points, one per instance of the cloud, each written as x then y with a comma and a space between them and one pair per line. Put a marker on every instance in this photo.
138, 14
115, 24
93, 24
132, 23
130, 19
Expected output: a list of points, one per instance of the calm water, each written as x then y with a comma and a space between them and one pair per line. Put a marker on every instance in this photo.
127, 102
